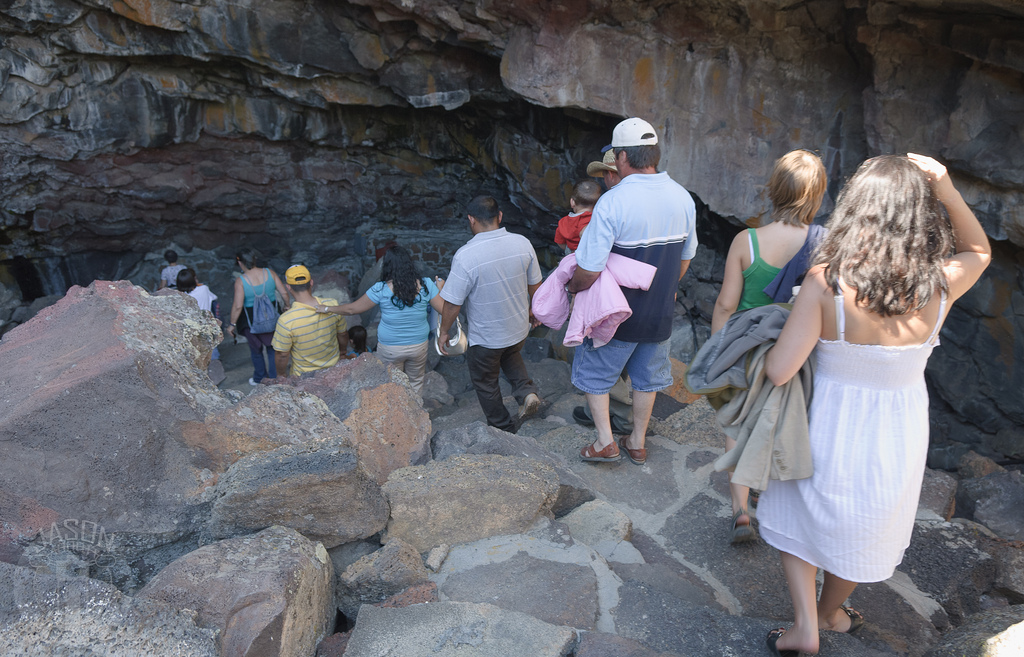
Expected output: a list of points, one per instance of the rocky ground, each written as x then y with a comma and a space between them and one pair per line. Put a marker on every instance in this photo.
342, 515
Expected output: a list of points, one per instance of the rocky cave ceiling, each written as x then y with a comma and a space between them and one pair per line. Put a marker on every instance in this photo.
127, 123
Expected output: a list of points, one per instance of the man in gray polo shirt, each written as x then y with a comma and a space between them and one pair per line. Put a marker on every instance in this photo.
494, 275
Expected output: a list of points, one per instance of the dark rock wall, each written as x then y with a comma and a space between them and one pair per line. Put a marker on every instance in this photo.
322, 128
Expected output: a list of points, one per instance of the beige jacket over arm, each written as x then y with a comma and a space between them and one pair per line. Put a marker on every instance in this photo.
768, 422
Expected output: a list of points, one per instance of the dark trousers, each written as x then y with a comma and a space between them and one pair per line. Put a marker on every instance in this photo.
257, 343
485, 365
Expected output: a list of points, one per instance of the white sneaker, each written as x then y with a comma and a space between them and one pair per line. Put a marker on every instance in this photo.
252, 382
530, 405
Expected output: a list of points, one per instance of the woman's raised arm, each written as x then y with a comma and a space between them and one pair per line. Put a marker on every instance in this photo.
282, 292
973, 252
436, 302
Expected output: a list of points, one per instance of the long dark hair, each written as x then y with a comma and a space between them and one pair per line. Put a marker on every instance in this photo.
888, 237
250, 258
397, 267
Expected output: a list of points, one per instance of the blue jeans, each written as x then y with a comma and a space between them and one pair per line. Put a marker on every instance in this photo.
257, 343
596, 369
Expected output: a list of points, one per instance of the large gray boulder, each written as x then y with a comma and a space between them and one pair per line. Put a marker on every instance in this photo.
996, 501
118, 381
1009, 558
266, 594
136, 439
377, 576
267, 418
318, 489
455, 629
478, 438
992, 633
945, 561
72, 616
468, 497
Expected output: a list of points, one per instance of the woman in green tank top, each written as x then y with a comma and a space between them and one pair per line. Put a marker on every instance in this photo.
796, 188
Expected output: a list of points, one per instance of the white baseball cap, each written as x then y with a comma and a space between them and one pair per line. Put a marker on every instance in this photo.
633, 132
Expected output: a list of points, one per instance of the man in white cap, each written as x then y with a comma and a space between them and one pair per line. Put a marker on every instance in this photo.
620, 402
651, 218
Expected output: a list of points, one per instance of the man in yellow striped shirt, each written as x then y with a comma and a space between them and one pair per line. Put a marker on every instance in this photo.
305, 340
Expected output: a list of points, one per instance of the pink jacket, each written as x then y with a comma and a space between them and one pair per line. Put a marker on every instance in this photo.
598, 310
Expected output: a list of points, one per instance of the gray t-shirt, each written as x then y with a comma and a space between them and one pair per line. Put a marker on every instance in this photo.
489, 277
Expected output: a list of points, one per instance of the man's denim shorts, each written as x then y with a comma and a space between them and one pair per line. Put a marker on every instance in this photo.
594, 370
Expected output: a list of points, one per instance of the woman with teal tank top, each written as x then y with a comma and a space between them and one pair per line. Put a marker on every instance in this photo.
757, 255
255, 279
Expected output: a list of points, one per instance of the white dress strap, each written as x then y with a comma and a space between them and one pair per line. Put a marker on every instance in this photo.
938, 322
750, 243
840, 316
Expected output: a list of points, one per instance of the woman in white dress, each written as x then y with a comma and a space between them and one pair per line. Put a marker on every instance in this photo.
872, 305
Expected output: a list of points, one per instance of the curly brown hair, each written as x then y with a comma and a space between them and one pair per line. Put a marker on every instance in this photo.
888, 238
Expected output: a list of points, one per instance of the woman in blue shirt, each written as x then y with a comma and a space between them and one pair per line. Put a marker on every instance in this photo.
405, 299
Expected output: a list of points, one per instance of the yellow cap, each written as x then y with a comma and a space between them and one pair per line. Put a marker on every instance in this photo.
297, 275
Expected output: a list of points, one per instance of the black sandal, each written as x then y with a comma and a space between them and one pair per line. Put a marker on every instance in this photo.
742, 533
856, 618
773, 638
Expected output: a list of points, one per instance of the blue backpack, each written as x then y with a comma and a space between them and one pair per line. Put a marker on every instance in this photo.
264, 311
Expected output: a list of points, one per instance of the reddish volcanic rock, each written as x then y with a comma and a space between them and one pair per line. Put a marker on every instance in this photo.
270, 417
334, 645
21, 519
414, 595
109, 420
97, 393
390, 429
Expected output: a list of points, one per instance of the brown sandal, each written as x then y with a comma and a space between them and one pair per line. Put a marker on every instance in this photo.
606, 455
638, 456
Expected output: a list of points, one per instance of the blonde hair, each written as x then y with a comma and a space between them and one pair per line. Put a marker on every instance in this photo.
796, 187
